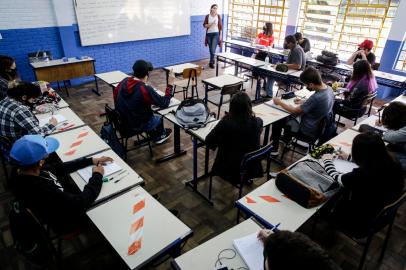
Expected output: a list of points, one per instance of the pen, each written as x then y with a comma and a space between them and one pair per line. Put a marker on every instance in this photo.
275, 227
118, 180
118, 175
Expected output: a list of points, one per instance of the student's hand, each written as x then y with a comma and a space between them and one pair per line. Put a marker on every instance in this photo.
378, 123
171, 77
101, 160
98, 169
327, 157
298, 101
342, 155
263, 234
53, 121
277, 101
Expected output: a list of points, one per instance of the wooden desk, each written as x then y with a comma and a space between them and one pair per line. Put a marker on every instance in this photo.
162, 231
59, 71
204, 256
77, 143
129, 178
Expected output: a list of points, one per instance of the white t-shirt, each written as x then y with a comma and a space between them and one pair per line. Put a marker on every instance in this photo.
214, 28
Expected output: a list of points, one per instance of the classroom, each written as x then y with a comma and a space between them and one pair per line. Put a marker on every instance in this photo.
194, 135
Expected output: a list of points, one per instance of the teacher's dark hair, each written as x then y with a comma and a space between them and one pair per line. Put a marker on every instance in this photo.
214, 5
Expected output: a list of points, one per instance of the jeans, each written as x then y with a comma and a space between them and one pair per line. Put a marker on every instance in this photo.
269, 86
212, 40
154, 127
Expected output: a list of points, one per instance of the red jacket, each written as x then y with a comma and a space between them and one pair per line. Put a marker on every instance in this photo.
220, 26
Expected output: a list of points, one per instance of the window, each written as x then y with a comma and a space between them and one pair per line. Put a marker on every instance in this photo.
401, 63
340, 25
247, 17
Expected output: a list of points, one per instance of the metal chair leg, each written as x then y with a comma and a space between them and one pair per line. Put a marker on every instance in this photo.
365, 252
210, 186
385, 243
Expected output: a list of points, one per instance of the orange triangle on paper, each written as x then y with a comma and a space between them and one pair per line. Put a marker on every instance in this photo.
249, 200
71, 152
138, 206
269, 199
134, 247
83, 134
346, 144
137, 225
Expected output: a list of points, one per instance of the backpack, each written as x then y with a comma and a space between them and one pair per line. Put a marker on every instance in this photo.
108, 134
192, 113
30, 237
307, 183
328, 58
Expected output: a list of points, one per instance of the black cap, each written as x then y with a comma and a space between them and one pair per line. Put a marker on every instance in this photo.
141, 68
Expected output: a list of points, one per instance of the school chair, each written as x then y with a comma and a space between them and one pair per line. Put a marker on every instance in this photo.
385, 218
248, 159
354, 114
190, 76
310, 141
142, 137
5, 147
226, 93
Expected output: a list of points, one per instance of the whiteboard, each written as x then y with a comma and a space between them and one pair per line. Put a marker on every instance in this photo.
111, 21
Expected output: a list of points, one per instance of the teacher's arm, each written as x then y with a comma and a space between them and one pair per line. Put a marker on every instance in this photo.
206, 22
220, 26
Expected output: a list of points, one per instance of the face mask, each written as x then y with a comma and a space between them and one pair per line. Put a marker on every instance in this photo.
12, 72
285, 46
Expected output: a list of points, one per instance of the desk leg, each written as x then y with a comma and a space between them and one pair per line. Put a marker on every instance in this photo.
193, 183
206, 94
236, 69
258, 90
177, 151
266, 135
96, 91
217, 66
167, 76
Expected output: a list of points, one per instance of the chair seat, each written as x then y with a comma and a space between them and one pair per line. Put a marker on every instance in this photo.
183, 83
352, 114
215, 99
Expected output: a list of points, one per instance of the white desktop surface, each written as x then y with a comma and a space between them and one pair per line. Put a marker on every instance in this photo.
344, 140
204, 256
56, 62
229, 55
128, 179
91, 143
112, 76
222, 80
269, 114
161, 228
71, 117
178, 69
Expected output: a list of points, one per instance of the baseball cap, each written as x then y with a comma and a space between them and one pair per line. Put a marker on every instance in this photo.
367, 44
32, 148
141, 68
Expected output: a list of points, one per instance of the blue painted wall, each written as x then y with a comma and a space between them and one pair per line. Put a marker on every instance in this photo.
65, 41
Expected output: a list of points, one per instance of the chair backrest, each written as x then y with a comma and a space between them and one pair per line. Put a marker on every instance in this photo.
113, 117
369, 98
231, 89
388, 213
254, 156
192, 72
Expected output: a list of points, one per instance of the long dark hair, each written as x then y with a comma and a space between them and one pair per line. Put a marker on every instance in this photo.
370, 153
394, 116
241, 108
5, 70
268, 29
360, 69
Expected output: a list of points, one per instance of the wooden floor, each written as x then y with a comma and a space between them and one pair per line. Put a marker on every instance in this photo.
167, 180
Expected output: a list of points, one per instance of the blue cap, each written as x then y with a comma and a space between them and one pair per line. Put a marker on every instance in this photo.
32, 148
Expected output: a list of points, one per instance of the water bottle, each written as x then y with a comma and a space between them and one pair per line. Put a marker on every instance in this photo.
45, 56
267, 61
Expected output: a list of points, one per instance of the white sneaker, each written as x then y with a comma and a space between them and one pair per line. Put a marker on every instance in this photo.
274, 153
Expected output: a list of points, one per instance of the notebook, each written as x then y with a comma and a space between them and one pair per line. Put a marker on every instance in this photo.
109, 169
59, 117
251, 251
344, 166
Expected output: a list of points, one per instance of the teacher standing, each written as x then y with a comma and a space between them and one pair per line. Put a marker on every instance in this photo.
213, 26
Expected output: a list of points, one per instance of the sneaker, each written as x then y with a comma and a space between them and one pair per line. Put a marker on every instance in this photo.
272, 175
163, 138
266, 97
211, 65
274, 153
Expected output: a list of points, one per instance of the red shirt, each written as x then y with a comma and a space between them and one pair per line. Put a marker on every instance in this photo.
265, 40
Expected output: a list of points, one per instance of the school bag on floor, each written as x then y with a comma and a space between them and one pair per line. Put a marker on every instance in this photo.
192, 113
307, 183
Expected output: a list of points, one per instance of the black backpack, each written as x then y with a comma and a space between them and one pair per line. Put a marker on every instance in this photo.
108, 134
328, 58
30, 237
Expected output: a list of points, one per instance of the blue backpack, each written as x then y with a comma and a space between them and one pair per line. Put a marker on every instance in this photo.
108, 134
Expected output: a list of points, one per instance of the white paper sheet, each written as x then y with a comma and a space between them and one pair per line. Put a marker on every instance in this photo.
344, 166
251, 251
59, 117
109, 169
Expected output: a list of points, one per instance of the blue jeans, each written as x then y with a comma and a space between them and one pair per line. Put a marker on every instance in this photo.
154, 127
212, 40
269, 86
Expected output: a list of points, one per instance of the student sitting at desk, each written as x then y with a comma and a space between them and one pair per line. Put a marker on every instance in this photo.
377, 182
296, 60
16, 117
237, 134
364, 52
133, 99
8, 73
303, 42
361, 84
293, 250
394, 119
38, 186
311, 111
